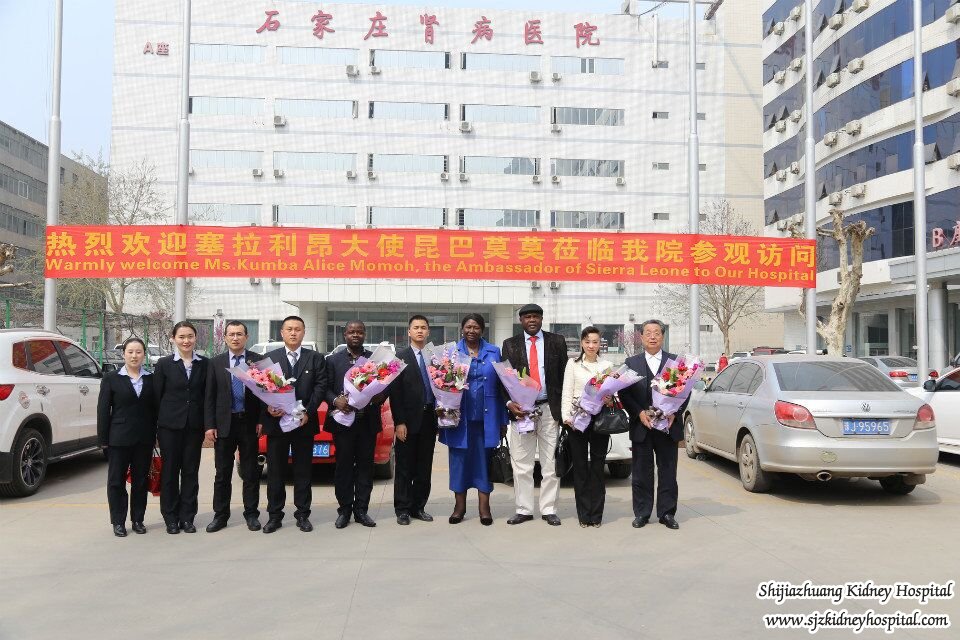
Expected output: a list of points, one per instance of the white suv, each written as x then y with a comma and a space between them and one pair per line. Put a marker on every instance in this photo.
48, 406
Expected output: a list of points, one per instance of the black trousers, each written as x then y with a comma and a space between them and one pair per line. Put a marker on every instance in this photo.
411, 488
279, 448
589, 485
664, 447
242, 438
179, 481
136, 458
353, 475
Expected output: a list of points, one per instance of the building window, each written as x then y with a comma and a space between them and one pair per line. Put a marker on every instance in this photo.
275, 326
586, 219
409, 110
586, 168
20, 146
216, 212
315, 108
505, 113
599, 66
701, 66
499, 62
587, 116
512, 166
406, 216
661, 115
225, 159
22, 185
317, 55
661, 166
63, 173
661, 64
708, 328
498, 218
314, 160
234, 53
410, 59
19, 222
703, 166
217, 106
314, 215
661, 215
406, 163
701, 115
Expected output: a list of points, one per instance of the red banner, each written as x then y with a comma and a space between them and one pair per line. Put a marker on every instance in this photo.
304, 252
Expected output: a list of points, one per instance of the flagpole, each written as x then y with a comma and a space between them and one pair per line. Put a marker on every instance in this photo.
53, 166
183, 157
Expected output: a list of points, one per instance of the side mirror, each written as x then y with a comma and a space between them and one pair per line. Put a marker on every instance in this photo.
699, 385
930, 385
109, 367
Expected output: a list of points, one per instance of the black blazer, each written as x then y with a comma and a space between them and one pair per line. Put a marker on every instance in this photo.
367, 418
218, 406
180, 399
638, 397
406, 393
123, 418
514, 351
310, 387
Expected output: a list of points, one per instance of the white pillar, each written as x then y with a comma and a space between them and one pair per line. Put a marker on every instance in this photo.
937, 327
893, 332
503, 317
320, 326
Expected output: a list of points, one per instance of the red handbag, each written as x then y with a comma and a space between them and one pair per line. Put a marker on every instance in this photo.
153, 474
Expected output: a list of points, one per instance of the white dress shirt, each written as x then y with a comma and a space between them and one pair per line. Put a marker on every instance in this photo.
297, 351
653, 361
541, 356
138, 383
189, 368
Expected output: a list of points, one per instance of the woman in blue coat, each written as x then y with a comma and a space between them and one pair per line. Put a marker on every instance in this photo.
482, 418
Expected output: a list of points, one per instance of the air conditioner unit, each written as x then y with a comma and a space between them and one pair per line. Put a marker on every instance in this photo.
444, 176
352, 70
830, 138
279, 121
621, 181
778, 28
534, 284
953, 87
537, 179
795, 168
555, 285
278, 173
836, 21
371, 175
833, 79
374, 70
860, 6
781, 225
782, 175
465, 127
351, 174
258, 173
855, 65
780, 77
621, 286
536, 76
555, 179
781, 126
953, 14
953, 161
464, 177
835, 198
555, 128
796, 12
254, 280
795, 115
275, 281
556, 77
858, 190
854, 127
796, 64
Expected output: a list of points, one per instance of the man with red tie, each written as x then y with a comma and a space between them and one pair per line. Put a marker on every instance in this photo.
544, 356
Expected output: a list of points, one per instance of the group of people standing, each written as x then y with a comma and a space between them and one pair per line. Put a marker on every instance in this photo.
188, 398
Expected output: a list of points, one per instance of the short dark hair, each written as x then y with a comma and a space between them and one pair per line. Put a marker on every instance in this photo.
663, 327
134, 339
289, 318
417, 317
350, 322
586, 331
476, 317
183, 324
236, 323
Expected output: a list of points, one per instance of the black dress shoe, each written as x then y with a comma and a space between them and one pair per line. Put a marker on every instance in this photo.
403, 519
173, 527
188, 527
486, 520
639, 523
138, 527
120, 531
253, 524
422, 515
304, 525
669, 522
552, 519
455, 518
342, 520
364, 519
272, 525
216, 524
520, 518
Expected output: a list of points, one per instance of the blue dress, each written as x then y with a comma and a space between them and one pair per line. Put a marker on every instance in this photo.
482, 413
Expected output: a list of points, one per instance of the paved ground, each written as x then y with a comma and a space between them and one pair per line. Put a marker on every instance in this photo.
66, 576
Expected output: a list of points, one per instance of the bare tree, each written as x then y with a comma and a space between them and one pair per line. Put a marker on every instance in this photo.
724, 304
7, 254
849, 239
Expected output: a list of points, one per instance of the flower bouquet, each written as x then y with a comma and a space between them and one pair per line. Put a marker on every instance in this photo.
265, 380
601, 386
367, 378
448, 371
671, 388
523, 390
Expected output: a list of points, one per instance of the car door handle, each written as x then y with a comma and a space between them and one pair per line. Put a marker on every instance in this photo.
84, 389
43, 389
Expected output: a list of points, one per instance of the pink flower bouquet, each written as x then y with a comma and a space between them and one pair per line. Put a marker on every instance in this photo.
265, 380
448, 371
600, 387
671, 388
367, 378
523, 390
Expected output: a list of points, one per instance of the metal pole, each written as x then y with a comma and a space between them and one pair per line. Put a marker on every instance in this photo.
83, 328
810, 170
53, 166
183, 157
919, 195
694, 176
103, 338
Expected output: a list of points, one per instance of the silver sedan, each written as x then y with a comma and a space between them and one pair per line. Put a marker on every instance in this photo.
820, 417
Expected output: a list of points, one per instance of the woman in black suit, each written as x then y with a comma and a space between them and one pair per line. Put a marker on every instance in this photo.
127, 428
180, 383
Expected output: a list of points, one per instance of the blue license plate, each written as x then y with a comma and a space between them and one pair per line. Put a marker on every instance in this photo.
320, 450
912, 377
861, 427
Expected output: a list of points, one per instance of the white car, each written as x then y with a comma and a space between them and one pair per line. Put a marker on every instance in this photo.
48, 406
943, 394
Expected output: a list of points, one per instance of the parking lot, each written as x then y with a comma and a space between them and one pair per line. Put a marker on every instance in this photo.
66, 576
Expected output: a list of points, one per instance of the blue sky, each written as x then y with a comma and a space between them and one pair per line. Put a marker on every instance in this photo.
26, 48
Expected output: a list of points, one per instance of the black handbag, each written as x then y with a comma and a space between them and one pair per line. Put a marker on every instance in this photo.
610, 421
500, 468
563, 456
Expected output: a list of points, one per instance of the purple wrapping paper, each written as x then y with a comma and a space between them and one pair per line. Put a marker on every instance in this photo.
523, 394
591, 400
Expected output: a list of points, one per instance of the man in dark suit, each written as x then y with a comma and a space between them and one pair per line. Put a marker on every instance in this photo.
414, 416
649, 442
353, 476
232, 412
309, 369
544, 356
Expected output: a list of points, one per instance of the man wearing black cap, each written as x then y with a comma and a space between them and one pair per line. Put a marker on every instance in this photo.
544, 356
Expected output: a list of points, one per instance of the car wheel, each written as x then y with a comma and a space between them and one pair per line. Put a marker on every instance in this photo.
896, 485
753, 477
619, 470
29, 464
386, 470
690, 438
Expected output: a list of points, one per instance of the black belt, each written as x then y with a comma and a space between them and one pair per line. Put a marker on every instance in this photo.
238, 415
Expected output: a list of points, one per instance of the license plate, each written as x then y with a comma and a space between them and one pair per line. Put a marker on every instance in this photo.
320, 450
860, 427
912, 377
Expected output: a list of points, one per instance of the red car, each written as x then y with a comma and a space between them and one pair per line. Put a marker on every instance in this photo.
324, 451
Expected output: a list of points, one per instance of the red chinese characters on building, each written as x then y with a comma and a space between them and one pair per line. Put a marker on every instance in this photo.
378, 27
531, 32
271, 23
147, 48
163, 48
482, 29
584, 32
428, 22
321, 24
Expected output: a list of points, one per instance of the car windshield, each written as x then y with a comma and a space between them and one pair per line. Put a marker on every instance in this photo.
899, 362
831, 376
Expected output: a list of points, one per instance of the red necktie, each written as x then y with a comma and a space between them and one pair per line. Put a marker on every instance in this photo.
534, 361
